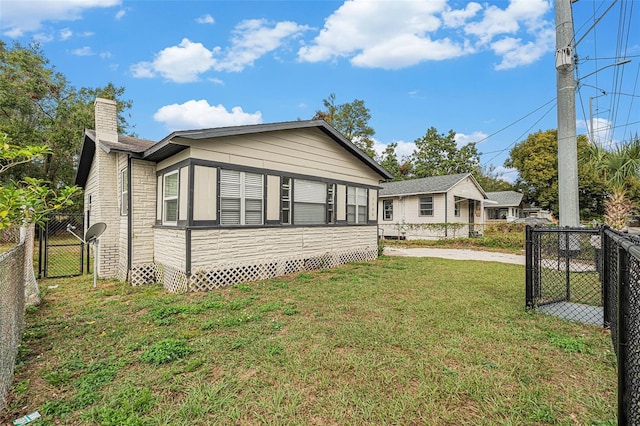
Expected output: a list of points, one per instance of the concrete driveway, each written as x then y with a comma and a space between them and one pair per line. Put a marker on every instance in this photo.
456, 254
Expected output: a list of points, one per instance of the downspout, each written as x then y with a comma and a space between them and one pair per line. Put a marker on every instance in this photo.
129, 216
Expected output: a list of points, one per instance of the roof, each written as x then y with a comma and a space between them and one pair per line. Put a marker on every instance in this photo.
505, 198
126, 144
170, 145
427, 185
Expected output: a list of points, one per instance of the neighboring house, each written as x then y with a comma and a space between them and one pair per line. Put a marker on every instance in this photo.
207, 208
506, 206
432, 207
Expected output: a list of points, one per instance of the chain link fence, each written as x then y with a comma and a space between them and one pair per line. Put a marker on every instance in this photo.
592, 276
621, 282
18, 288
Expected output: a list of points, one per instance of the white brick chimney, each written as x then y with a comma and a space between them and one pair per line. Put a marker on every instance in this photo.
106, 115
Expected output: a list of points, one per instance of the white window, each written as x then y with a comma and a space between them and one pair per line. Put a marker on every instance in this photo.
387, 209
170, 198
124, 192
426, 206
309, 202
356, 205
241, 198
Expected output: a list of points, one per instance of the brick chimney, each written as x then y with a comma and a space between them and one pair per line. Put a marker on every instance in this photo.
106, 115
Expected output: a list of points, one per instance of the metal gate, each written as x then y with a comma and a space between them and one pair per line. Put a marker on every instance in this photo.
60, 254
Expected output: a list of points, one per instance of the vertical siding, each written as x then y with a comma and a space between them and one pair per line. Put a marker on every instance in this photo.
204, 193
373, 204
273, 198
341, 203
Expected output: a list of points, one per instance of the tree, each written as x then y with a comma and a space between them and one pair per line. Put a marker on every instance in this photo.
350, 119
491, 181
536, 160
620, 169
437, 154
38, 107
30, 199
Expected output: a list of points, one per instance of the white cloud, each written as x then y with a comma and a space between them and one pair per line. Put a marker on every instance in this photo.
251, 40
464, 139
206, 19
65, 34
105, 55
393, 35
601, 131
21, 17
254, 38
199, 115
83, 51
403, 149
182, 63
120, 14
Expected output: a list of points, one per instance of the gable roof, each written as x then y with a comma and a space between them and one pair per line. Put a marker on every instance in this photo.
170, 145
505, 198
427, 185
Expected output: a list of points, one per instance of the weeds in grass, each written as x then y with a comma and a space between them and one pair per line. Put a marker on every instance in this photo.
165, 351
393, 341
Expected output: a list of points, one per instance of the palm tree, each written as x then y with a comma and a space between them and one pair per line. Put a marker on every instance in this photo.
618, 167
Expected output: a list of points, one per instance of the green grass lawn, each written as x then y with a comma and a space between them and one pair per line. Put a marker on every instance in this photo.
394, 341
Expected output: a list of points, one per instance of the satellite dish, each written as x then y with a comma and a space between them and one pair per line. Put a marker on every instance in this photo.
94, 231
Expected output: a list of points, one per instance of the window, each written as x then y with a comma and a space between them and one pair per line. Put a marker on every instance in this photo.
309, 202
456, 206
331, 203
286, 200
356, 205
241, 198
124, 192
426, 206
170, 198
387, 209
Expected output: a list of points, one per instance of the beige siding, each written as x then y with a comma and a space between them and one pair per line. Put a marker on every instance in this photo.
159, 198
183, 193
170, 248
341, 203
373, 204
301, 151
212, 248
204, 193
123, 237
181, 156
273, 197
143, 209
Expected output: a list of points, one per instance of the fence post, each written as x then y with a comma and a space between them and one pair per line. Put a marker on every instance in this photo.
567, 241
623, 306
530, 304
604, 277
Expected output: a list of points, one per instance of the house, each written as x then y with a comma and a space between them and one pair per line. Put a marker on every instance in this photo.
202, 209
507, 206
432, 207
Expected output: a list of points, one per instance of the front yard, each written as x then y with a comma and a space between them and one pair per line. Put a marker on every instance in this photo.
394, 341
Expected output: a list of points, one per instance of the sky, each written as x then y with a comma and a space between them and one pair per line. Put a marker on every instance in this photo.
485, 70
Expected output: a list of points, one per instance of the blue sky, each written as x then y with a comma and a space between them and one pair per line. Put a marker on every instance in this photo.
483, 69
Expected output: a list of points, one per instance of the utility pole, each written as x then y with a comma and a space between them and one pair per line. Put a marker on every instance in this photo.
567, 141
